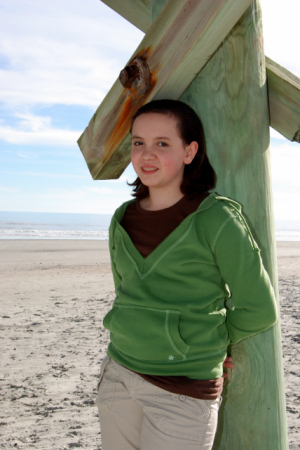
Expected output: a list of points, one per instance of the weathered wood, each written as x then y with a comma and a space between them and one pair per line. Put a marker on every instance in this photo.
283, 86
184, 36
137, 12
284, 100
230, 96
155, 8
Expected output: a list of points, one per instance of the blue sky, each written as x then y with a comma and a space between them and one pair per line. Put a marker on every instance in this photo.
58, 59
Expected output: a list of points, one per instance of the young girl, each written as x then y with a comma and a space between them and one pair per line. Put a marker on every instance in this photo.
189, 281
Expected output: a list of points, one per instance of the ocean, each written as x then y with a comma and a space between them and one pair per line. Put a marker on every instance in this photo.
35, 225
38, 225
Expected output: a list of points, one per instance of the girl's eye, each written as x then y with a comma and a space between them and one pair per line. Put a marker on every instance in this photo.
137, 143
162, 144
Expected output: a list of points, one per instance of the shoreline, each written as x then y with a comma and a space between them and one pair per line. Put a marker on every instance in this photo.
55, 293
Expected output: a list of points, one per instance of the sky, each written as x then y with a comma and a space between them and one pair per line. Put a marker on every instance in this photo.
58, 59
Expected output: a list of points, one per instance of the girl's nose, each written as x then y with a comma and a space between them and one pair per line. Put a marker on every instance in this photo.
148, 153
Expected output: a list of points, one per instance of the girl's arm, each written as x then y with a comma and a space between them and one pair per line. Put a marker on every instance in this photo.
252, 304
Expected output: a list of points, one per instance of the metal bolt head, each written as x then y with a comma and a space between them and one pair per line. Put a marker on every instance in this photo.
136, 77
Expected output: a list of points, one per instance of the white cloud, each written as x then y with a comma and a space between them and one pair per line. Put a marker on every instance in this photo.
33, 123
37, 130
275, 135
44, 174
285, 165
62, 52
8, 189
85, 200
285, 206
281, 32
101, 190
123, 179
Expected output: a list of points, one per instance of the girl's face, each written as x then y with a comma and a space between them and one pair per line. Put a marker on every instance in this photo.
158, 153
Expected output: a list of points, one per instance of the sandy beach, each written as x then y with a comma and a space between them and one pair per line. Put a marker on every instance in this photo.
54, 294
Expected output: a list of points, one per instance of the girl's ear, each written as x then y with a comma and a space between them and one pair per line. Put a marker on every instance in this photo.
190, 152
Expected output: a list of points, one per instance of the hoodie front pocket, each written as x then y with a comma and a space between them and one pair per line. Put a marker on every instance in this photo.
148, 334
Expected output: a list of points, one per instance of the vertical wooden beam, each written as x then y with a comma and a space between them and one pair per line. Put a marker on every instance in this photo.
230, 95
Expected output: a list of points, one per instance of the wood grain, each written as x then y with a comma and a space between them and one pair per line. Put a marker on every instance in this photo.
230, 95
178, 44
283, 86
284, 100
137, 12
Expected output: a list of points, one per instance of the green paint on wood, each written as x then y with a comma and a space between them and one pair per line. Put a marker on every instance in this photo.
136, 12
156, 7
183, 37
230, 95
284, 100
283, 86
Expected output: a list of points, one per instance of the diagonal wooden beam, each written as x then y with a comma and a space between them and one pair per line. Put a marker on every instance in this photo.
284, 100
183, 37
283, 86
137, 12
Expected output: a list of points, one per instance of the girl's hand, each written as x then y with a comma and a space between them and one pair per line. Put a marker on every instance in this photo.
229, 365
214, 389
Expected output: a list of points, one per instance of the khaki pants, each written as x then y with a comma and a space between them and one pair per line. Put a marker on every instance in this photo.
136, 415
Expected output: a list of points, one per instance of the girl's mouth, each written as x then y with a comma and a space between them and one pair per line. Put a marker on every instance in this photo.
149, 169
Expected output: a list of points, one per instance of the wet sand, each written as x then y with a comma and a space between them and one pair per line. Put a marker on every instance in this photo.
54, 294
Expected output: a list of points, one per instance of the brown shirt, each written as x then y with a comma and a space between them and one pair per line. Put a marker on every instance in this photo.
147, 229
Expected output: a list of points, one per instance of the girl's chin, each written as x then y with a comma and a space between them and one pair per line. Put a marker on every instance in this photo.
148, 178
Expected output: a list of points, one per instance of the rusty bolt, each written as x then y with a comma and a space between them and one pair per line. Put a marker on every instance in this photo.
129, 75
136, 77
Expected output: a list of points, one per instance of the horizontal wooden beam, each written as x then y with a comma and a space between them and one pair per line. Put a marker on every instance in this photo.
284, 100
176, 47
137, 12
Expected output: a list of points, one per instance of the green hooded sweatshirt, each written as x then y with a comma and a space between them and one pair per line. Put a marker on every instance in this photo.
204, 287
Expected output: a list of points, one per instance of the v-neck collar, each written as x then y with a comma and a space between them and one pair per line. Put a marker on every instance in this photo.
145, 265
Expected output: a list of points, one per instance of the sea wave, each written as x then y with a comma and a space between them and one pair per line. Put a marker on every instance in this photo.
281, 235
53, 234
284, 235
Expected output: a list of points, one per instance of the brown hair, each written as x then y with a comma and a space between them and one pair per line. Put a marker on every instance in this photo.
199, 176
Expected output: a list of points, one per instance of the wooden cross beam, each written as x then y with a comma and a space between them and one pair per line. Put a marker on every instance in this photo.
137, 12
105, 144
184, 36
283, 86
284, 100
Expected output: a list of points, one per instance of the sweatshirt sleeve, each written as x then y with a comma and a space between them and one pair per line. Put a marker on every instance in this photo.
253, 300
116, 276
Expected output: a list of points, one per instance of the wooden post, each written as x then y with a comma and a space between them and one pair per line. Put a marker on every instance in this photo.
230, 95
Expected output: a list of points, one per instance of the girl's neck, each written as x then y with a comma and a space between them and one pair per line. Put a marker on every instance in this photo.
157, 200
